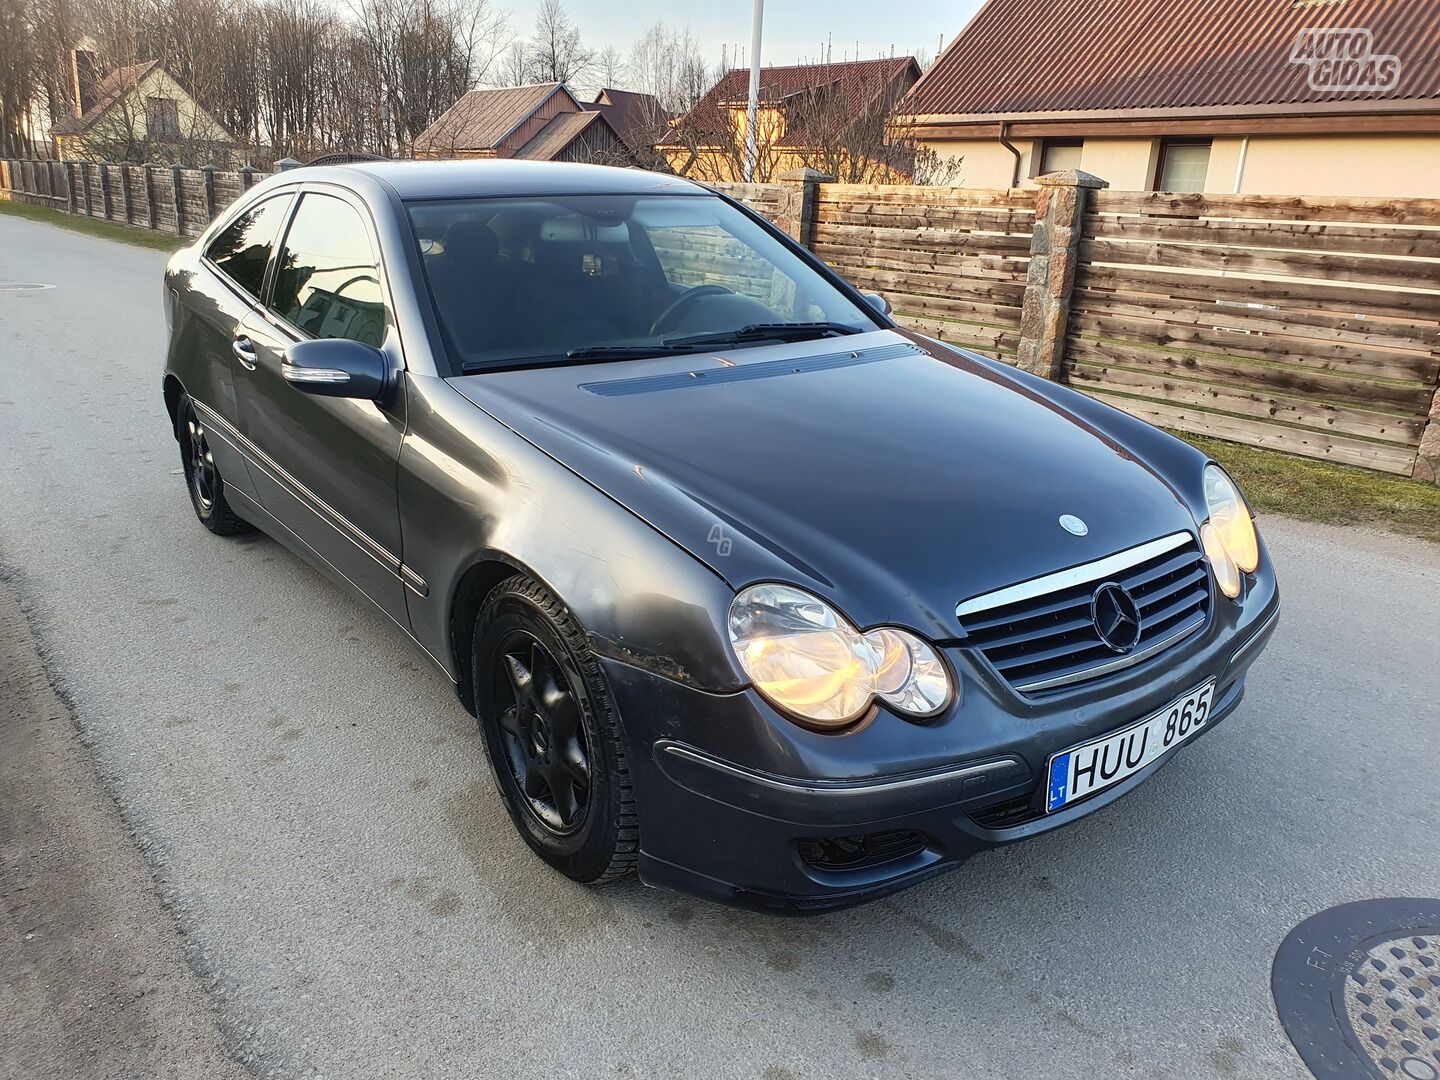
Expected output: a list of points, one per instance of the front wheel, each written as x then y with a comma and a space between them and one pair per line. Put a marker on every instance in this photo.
202, 475
553, 735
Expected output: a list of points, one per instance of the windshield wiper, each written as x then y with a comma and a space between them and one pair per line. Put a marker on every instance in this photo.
785, 331
591, 352
627, 352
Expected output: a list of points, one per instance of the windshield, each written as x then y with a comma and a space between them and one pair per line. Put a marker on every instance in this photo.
594, 277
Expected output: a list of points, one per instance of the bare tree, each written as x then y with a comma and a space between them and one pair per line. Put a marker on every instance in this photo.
610, 68
19, 68
426, 53
514, 66
555, 52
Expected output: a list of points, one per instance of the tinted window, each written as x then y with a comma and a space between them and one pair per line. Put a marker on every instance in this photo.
517, 280
243, 249
327, 282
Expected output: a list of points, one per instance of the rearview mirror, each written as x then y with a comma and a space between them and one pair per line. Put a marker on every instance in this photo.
335, 367
878, 302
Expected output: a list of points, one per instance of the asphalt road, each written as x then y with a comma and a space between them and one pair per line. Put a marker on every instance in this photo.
317, 809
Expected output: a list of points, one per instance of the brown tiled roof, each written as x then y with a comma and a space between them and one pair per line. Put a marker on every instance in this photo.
481, 119
558, 134
635, 117
1043, 56
860, 83
107, 92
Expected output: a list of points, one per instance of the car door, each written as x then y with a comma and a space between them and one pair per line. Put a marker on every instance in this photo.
325, 467
204, 347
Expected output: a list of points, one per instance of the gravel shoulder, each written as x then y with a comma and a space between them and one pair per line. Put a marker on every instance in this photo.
93, 976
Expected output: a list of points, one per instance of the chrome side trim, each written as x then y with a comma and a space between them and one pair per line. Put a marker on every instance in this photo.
413, 581
1120, 663
1254, 638
832, 787
1063, 579
312, 502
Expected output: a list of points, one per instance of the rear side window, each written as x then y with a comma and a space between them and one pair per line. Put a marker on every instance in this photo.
327, 282
243, 249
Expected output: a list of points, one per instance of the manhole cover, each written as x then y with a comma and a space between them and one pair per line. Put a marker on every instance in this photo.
1358, 990
22, 286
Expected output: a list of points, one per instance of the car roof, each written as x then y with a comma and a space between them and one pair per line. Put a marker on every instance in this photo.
458, 179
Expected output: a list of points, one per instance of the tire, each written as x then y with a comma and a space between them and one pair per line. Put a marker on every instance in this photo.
587, 829
202, 476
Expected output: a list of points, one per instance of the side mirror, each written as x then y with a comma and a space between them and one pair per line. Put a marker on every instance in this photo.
335, 367
878, 302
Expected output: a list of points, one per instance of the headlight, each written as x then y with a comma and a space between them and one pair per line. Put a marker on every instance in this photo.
1229, 536
806, 658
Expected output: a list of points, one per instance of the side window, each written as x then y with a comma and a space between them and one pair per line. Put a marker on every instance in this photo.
327, 281
243, 249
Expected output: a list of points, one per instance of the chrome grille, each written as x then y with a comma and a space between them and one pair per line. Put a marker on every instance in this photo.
1039, 635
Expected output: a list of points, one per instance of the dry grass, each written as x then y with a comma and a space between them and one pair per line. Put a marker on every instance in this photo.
106, 230
1321, 491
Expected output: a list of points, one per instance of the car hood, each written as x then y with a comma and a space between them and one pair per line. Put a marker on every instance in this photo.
888, 473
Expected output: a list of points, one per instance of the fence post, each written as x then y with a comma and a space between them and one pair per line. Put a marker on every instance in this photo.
104, 191
1427, 456
151, 211
125, 214
285, 164
800, 202
247, 178
177, 195
209, 173
1060, 208
71, 202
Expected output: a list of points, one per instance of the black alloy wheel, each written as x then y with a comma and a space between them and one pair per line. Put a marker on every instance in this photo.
552, 734
202, 475
545, 745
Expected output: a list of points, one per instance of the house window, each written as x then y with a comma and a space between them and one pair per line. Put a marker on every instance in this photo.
162, 118
1057, 154
1183, 164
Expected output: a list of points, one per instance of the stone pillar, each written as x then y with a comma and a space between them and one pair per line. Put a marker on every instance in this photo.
1427, 460
800, 203
1060, 208
208, 171
152, 219
72, 198
285, 164
177, 195
105, 190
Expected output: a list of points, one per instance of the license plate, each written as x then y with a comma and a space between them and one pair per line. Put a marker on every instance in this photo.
1093, 766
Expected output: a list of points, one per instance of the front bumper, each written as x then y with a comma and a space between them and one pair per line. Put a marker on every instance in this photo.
740, 806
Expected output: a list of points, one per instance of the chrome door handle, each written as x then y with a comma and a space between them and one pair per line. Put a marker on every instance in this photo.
244, 350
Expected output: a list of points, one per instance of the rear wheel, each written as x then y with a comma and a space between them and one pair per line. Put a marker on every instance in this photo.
553, 735
202, 475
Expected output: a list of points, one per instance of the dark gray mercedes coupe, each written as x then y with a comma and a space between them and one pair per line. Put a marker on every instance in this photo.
751, 590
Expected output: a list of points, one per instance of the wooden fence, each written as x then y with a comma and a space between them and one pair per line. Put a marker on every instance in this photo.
1306, 325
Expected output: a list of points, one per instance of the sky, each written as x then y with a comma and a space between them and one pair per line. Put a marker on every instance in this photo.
794, 30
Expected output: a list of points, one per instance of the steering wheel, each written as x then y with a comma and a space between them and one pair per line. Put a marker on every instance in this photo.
682, 303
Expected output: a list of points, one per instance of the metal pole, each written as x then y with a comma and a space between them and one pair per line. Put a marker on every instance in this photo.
754, 108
